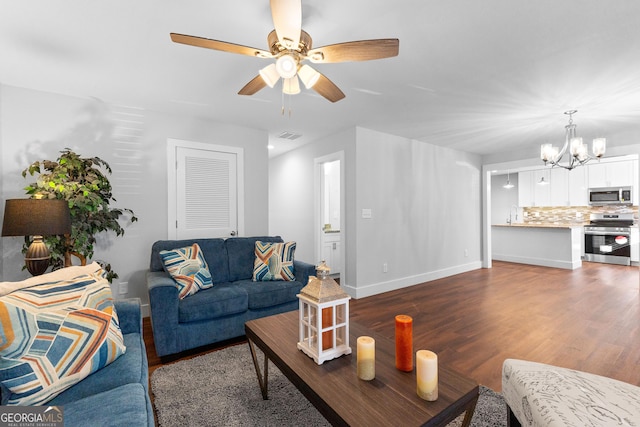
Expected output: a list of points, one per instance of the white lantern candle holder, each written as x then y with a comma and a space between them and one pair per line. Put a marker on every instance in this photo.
323, 318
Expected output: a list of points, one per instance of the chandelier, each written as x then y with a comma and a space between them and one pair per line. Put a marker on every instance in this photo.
578, 150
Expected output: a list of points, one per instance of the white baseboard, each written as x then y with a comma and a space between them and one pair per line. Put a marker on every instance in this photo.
544, 262
391, 285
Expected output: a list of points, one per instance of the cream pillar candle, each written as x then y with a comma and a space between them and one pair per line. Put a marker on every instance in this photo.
366, 358
427, 374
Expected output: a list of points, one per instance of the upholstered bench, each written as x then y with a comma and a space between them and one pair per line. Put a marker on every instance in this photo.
543, 395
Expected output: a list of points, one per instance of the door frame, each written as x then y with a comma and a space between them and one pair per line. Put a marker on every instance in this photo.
172, 146
317, 207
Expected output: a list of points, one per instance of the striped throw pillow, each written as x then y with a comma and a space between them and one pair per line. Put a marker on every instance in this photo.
54, 334
274, 261
188, 268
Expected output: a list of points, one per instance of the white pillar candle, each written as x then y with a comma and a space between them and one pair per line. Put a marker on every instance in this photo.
366, 358
427, 374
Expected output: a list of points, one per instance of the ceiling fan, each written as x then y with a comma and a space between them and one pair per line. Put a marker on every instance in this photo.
290, 46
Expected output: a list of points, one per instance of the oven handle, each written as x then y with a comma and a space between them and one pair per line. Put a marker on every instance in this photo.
608, 233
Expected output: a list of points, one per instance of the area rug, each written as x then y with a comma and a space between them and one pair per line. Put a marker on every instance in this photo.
221, 389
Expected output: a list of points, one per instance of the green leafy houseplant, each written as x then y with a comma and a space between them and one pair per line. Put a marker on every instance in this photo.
81, 182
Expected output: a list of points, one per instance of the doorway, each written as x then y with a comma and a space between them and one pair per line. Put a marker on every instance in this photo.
329, 215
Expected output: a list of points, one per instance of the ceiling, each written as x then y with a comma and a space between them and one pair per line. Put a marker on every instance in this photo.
479, 76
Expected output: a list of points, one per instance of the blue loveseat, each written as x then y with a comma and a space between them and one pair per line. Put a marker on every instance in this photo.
218, 313
118, 394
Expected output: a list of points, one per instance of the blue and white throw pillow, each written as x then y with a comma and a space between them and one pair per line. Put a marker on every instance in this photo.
274, 261
188, 269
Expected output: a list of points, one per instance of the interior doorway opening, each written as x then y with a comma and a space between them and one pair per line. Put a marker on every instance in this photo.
330, 212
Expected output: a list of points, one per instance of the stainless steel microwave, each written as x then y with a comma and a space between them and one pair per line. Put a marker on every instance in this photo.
610, 196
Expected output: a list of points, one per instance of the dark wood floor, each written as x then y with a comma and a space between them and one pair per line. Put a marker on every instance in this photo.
586, 319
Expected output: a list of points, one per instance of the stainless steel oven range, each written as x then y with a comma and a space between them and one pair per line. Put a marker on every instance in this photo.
607, 238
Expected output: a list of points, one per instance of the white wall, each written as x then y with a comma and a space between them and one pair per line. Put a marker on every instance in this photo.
426, 212
37, 125
504, 199
291, 192
425, 202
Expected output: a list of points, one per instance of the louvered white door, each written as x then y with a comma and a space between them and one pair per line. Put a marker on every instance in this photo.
207, 193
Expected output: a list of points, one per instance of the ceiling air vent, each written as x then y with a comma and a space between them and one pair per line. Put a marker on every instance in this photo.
289, 135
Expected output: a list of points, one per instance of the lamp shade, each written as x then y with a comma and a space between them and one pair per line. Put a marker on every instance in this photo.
291, 86
270, 75
36, 217
309, 76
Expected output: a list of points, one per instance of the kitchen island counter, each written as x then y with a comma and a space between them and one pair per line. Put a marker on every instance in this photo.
540, 225
545, 244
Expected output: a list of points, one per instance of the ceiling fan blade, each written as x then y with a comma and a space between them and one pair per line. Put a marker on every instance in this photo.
362, 50
219, 45
328, 89
287, 20
253, 86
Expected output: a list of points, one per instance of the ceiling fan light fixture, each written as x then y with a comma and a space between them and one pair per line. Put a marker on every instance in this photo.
308, 75
287, 66
270, 75
291, 86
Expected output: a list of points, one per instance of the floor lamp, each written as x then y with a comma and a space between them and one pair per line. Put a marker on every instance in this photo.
37, 218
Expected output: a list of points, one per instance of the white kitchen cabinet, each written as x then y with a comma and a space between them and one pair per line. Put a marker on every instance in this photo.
542, 187
635, 245
531, 192
611, 174
525, 189
559, 187
331, 251
578, 187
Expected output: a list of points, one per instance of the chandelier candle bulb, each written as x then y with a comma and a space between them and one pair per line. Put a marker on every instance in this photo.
404, 343
366, 358
427, 375
599, 146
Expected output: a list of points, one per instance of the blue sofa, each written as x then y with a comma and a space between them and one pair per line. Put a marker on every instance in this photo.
118, 394
218, 313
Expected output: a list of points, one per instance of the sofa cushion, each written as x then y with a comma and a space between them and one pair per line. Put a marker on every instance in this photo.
124, 406
269, 294
214, 251
188, 269
222, 300
241, 252
56, 333
274, 261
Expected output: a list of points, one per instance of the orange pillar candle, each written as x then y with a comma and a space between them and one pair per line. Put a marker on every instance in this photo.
427, 375
404, 343
327, 320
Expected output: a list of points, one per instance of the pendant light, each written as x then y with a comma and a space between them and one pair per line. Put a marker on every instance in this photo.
508, 185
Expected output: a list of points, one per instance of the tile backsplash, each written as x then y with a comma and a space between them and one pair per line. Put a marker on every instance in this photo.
570, 214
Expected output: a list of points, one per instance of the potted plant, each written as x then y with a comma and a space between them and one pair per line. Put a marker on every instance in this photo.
82, 183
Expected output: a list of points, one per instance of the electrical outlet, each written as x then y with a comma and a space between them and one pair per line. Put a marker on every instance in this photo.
385, 267
466, 252
123, 288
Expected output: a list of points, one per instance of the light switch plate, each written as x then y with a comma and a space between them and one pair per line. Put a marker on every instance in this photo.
366, 213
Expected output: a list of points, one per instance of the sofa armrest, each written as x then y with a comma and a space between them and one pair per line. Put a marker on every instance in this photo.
164, 304
303, 270
129, 315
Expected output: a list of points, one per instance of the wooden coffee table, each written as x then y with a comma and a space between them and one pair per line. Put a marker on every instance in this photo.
343, 399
